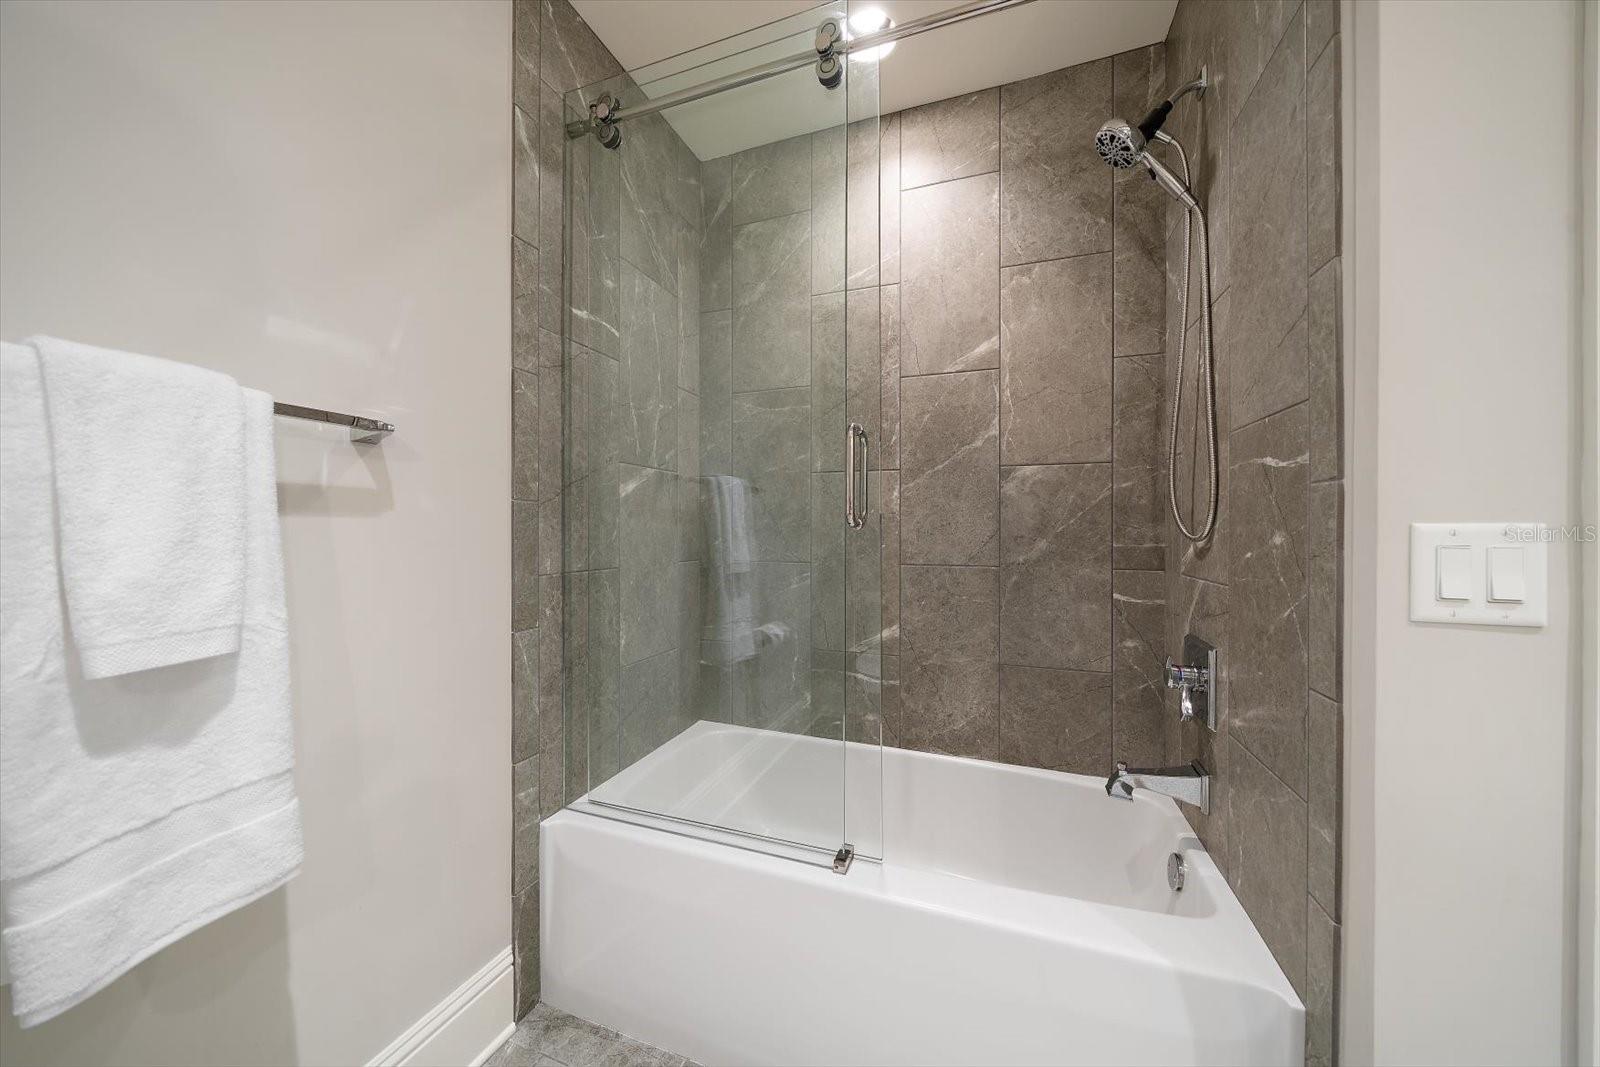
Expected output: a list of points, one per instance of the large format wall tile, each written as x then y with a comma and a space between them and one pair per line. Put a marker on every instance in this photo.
844, 207
1055, 566
863, 208
691, 519
1207, 559
525, 175
593, 672
1139, 308
649, 225
591, 496
772, 452
652, 713
949, 481
1269, 610
1322, 148
953, 138
648, 383
782, 667
1326, 728
1326, 539
524, 564
552, 219
772, 303
868, 556
1196, 42
570, 54
525, 54
524, 694
649, 536
1055, 191
771, 180
949, 698
828, 210
1322, 987
716, 234
1138, 78
716, 392
827, 560
1269, 240
524, 824
949, 291
1327, 374
1265, 590
552, 754
595, 248
1060, 720
1138, 619
827, 381
1138, 464
1267, 858
524, 435
688, 249
1055, 361
863, 375
889, 199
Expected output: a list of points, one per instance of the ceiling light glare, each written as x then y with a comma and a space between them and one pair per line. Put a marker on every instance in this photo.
871, 20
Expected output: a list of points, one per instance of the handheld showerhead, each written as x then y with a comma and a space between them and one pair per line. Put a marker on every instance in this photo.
1119, 144
1124, 146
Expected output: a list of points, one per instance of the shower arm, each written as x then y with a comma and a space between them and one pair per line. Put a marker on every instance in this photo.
935, 21
1196, 86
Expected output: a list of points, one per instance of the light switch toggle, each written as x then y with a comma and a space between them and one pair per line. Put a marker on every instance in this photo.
1506, 582
1454, 568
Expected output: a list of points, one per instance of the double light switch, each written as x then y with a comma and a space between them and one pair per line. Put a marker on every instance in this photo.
1479, 573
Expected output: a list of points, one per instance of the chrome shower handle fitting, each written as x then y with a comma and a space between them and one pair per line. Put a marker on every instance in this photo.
1188, 681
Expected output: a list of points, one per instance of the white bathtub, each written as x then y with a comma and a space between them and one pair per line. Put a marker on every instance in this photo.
1018, 917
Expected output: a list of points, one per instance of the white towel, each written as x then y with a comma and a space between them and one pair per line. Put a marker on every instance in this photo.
148, 457
136, 808
729, 635
730, 511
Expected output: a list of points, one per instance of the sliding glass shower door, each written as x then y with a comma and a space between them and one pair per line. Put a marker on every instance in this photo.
722, 615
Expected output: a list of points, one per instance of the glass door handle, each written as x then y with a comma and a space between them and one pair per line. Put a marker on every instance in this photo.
855, 477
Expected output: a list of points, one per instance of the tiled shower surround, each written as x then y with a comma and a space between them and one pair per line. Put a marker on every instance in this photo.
1015, 316
1266, 590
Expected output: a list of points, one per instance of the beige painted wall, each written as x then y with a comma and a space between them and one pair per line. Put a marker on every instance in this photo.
314, 198
1462, 758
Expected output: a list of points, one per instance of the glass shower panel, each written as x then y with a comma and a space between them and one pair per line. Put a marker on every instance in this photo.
721, 624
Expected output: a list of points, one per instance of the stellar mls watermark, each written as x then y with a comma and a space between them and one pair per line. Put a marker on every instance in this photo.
1586, 533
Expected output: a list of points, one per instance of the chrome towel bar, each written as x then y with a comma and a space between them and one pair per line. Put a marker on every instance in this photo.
362, 429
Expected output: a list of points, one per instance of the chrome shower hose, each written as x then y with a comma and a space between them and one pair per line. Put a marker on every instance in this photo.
1194, 223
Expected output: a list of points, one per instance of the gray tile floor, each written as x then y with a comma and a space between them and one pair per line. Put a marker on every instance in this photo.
549, 1038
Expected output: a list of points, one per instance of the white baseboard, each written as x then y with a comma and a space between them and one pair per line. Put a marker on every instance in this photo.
463, 1028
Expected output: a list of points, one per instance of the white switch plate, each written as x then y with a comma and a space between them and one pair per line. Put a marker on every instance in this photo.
1478, 537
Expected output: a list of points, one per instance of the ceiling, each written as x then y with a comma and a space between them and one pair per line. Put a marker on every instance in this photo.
1006, 46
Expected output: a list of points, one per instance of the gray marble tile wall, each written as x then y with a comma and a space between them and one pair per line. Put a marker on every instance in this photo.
1010, 333
553, 52
632, 494
1021, 339
1266, 589
775, 261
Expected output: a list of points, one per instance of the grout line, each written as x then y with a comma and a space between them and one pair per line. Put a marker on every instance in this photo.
941, 373
1258, 421
1062, 259
1068, 463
